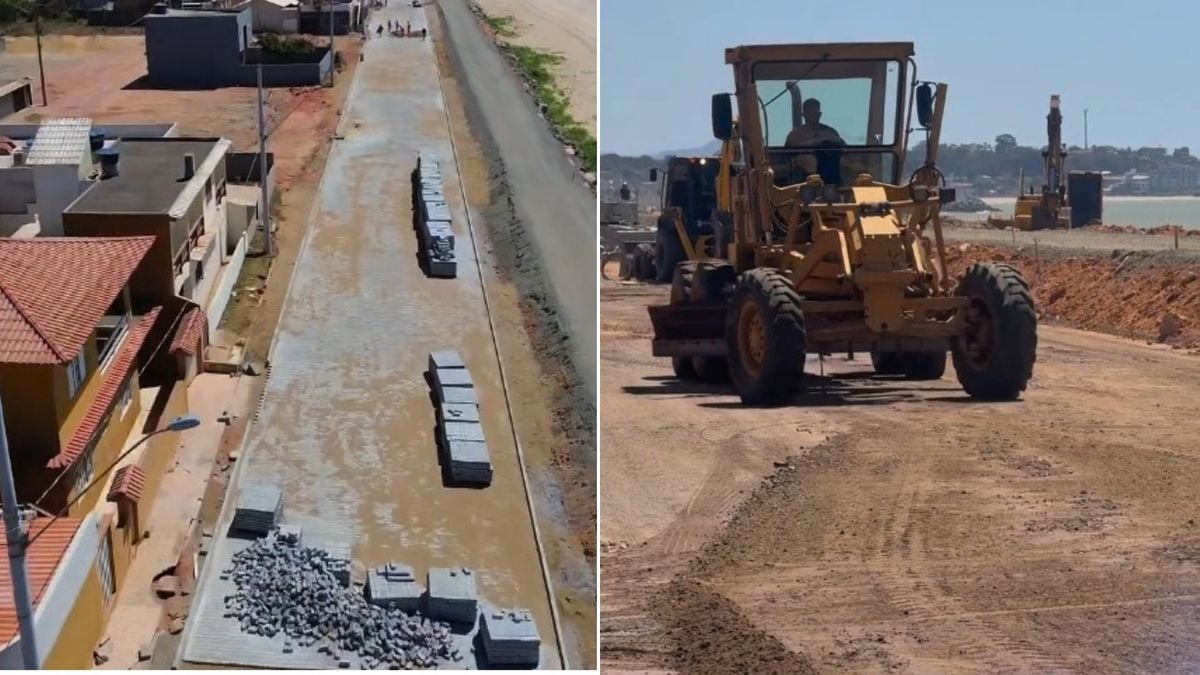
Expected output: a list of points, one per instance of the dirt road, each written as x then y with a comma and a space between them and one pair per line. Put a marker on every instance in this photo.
548, 209
885, 526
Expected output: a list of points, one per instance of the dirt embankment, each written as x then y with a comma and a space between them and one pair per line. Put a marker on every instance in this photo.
1144, 295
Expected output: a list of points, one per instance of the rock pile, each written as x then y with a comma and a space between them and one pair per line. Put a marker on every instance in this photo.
294, 590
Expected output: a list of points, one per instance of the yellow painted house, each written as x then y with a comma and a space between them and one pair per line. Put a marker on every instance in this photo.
73, 354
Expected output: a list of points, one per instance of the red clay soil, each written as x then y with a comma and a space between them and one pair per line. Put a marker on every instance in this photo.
1152, 296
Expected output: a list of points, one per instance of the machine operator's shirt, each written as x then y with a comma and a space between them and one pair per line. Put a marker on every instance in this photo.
806, 136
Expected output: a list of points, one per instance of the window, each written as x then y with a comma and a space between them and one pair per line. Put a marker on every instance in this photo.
85, 467
76, 373
110, 334
126, 398
104, 565
830, 117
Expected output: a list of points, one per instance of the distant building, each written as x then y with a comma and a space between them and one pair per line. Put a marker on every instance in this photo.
276, 16
1174, 178
175, 190
16, 95
34, 194
215, 48
1139, 184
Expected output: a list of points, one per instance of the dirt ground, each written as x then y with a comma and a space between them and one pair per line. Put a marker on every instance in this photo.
886, 526
567, 27
549, 432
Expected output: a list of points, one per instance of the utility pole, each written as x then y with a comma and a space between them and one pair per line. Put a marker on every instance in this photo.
1085, 138
37, 31
15, 535
265, 216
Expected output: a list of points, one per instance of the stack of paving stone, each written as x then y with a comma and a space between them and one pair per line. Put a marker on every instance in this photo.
258, 509
509, 637
434, 230
394, 586
461, 444
452, 595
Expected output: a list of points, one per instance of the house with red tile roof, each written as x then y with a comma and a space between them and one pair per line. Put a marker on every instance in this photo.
69, 565
85, 373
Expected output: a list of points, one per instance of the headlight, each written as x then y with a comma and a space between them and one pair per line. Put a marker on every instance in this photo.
808, 193
919, 193
703, 161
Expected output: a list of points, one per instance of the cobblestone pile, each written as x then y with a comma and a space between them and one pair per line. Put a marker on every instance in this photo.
293, 591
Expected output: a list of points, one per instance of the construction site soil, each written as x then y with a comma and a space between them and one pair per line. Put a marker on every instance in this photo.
881, 525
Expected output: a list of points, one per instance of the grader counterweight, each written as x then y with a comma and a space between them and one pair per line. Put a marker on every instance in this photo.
830, 248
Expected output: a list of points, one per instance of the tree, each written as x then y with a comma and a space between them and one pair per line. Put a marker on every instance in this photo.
1006, 143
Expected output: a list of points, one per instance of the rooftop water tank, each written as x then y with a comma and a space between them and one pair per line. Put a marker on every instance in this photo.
96, 139
109, 159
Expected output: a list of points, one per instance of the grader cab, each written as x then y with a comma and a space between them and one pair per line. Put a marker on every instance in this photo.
830, 248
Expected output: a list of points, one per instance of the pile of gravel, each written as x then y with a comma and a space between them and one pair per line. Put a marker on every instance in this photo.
284, 587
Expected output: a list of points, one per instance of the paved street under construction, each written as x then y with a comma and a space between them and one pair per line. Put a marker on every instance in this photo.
346, 426
885, 525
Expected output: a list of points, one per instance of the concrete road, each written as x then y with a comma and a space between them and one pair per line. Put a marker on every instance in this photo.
882, 525
346, 425
555, 208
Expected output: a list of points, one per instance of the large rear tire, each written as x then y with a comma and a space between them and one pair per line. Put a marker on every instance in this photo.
643, 263
764, 330
994, 358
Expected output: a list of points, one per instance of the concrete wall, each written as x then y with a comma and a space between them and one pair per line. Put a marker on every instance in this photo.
220, 295
28, 131
71, 615
152, 282
16, 189
171, 402
55, 187
196, 49
270, 17
289, 74
19, 99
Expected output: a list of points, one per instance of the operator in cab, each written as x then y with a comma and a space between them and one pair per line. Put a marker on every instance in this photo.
812, 133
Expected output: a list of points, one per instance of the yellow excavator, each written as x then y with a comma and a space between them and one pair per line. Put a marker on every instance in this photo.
695, 215
1048, 210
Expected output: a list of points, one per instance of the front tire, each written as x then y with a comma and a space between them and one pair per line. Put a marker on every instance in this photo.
994, 357
764, 330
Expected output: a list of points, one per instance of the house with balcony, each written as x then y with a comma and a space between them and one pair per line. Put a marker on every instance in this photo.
173, 189
85, 373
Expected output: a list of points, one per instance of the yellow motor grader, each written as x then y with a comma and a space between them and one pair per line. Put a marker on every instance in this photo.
830, 249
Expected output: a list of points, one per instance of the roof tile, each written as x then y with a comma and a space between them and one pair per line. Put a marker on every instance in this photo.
127, 482
42, 559
54, 290
114, 378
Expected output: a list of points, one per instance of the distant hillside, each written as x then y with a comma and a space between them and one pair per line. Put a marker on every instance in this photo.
710, 148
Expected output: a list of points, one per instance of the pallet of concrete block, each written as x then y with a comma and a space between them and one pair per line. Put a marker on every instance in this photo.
394, 586
259, 508
453, 595
448, 371
510, 638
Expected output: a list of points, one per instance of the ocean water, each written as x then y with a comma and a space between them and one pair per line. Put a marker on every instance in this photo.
1136, 211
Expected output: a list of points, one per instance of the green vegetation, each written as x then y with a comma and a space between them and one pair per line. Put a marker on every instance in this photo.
284, 45
537, 67
501, 25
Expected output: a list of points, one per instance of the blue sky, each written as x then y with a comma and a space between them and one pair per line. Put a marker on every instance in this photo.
1133, 65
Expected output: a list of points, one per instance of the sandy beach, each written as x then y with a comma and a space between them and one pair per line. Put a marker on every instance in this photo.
567, 27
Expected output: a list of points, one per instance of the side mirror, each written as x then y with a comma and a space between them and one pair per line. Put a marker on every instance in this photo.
925, 105
722, 117
653, 174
